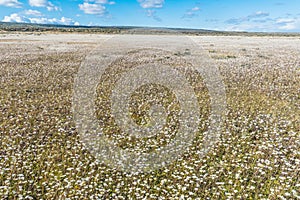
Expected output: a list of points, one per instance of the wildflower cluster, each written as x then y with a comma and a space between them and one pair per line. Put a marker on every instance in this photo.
257, 157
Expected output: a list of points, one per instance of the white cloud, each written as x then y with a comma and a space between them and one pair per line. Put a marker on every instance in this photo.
248, 18
250, 27
11, 3
33, 13
284, 20
151, 3
67, 21
152, 13
191, 13
93, 9
43, 3
101, 1
288, 24
288, 27
63, 21
195, 8
43, 20
258, 14
38, 3
15, 17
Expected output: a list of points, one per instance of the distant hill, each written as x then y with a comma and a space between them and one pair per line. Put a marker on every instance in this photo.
27, 27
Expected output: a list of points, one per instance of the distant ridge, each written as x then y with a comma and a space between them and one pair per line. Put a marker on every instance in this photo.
29, 27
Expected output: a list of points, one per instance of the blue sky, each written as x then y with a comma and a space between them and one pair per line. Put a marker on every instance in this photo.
229, 15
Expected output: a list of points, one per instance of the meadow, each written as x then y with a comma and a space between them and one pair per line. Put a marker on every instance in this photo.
257, 156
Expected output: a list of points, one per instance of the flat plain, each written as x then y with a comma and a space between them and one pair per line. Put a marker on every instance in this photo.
257, 157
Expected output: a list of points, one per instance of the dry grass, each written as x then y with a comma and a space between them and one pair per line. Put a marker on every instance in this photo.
258, 156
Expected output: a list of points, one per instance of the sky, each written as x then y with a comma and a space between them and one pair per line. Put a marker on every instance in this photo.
223, 15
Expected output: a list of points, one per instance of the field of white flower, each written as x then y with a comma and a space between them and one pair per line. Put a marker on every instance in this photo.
257, 157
